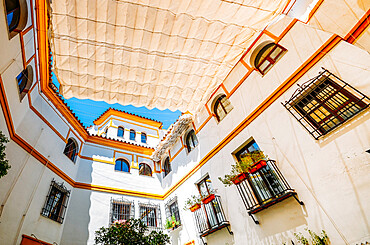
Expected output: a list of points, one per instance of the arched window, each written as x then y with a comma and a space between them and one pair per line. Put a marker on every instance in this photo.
167, 166
266, 55
71, 149
143, 137
24, 80
16, 15
221, 107
144, 169
122, 165
191, 140
120, 131
132, 134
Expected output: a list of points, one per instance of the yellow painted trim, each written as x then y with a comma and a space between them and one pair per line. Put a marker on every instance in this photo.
97, 160
117, 191
321, 52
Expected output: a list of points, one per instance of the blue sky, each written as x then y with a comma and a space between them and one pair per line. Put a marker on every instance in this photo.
88, 110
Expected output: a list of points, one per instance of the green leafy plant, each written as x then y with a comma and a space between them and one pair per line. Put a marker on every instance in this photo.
191, 201
4, 163
130, 232
243, 166
315, 239
171, 223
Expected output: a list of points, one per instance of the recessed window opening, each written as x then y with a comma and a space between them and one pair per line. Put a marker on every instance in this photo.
222, 107
166, 167
132, 134
71, 149
143, 137
122, 165
324, 103
172, 209
25, 80
205, 187
120, 131
121, 210
150, 215
191, 140
144, 169
56, 202
16, 15
267, 56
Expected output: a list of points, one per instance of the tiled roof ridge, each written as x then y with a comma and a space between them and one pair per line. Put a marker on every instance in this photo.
129, 113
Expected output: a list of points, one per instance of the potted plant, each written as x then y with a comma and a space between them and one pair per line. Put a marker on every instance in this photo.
209, 198
249, 164
193, 203
171, 223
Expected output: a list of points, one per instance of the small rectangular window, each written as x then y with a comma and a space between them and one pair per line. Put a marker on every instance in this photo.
121, 210
172, 209
56, 202
324, 103
150, 215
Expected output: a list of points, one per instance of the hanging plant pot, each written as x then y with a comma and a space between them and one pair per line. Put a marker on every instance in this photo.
257, 166
239, 178
208, 199
195, 207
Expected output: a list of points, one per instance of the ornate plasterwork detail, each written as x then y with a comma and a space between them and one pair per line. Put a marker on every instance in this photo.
175, 131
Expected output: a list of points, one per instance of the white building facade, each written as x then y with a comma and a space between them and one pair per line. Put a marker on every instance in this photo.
300, 93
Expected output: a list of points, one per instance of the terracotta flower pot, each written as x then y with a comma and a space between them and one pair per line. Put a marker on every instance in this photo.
195, 207
257, 166
239, 178
208, 199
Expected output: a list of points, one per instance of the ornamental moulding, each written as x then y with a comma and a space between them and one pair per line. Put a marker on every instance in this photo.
170, 139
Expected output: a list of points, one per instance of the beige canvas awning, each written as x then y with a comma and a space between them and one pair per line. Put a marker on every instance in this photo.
154, 53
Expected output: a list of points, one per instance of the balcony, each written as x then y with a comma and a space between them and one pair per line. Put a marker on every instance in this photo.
263, 188
210, 217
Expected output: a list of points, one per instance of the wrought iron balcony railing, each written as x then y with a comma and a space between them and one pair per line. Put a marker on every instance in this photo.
263, 188
210, 217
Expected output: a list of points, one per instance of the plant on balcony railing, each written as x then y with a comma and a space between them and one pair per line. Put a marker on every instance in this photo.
193, 203
249, 163
262, 186
210, 217
171, 223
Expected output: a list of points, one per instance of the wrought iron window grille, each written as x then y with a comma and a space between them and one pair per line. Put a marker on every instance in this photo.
121, 209
264, 188
150, 215
325, 102
56, 202
211, 218
172, 208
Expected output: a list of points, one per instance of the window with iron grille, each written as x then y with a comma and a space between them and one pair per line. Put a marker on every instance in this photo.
325, 102
56, 202
150, 215
172, 209
268, 56
121, 210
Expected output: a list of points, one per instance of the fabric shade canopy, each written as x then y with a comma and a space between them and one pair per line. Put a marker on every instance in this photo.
156, 53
